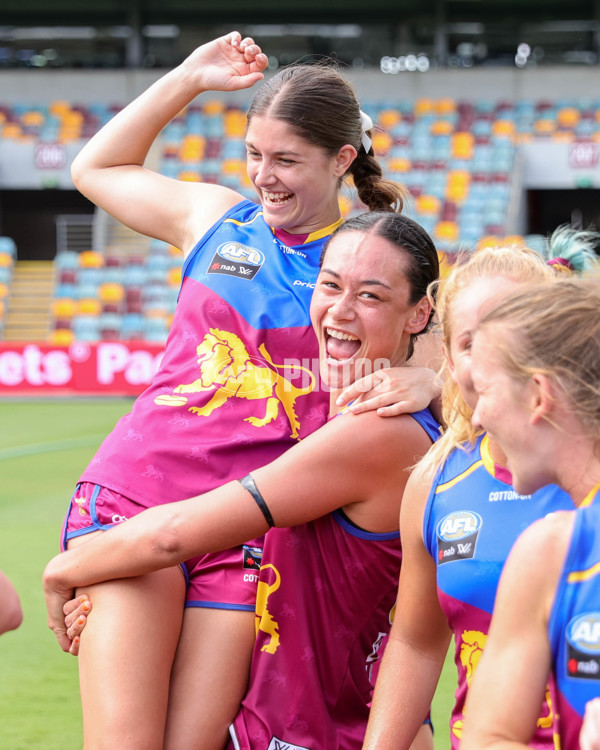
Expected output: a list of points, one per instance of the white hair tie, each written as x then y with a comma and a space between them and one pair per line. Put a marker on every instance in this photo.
366, 124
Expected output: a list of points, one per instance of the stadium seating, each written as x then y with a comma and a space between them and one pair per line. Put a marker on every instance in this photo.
456, 157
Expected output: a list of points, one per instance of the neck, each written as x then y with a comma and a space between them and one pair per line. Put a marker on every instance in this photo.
497, 454
575, 463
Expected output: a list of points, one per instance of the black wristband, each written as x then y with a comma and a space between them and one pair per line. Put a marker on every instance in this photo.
249, 484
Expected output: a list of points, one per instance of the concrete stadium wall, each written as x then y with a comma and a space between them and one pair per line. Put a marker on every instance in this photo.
119, 87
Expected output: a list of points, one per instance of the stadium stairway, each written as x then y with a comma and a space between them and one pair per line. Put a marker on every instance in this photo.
28, 313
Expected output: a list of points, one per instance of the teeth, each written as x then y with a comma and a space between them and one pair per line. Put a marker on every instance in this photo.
277, 197
339, 335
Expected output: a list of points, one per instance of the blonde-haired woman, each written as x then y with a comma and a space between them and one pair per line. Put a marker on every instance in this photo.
460, 516
536, 370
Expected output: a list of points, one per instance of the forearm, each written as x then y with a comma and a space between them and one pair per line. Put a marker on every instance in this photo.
143, 544
401, 703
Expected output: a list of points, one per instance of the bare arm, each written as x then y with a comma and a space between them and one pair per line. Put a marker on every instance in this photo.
11, 614
589, 738
109, 170
418, 640
508, 688
334, 467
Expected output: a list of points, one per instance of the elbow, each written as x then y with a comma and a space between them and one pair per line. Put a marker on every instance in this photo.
167, 541
13, 617
78, 173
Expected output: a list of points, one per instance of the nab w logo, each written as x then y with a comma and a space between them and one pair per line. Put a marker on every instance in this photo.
457, 536
584, 633
277, 744
234, 251
458, 525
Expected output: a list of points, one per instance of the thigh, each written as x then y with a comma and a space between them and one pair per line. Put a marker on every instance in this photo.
125, 659
209, 677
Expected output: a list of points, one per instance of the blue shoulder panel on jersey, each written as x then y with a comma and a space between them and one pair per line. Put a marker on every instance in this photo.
264, 280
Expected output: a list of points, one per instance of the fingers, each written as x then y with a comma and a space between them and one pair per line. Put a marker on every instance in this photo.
386, 405
75, 608
364, 388
76, 628
74, 650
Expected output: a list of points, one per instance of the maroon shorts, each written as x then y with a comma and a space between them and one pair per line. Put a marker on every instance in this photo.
219, 580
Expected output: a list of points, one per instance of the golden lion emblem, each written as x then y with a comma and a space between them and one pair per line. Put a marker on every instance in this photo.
227, 369
471, 649
263, 618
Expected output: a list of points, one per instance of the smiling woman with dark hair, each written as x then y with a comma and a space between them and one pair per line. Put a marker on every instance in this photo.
326, 586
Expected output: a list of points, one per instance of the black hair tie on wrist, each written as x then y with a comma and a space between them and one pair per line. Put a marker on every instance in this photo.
249, 484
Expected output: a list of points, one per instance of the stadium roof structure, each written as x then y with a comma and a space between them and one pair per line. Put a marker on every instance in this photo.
116, 12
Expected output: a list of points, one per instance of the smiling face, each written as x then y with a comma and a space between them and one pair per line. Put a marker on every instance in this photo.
504, 410
465, 311
297, 182
361, 309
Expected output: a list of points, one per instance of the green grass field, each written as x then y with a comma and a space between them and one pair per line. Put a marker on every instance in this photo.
44, 445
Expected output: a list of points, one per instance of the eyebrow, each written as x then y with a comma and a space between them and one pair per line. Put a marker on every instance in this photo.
366, 282
277, 153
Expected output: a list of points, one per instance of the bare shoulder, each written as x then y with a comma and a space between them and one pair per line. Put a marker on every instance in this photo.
398, 433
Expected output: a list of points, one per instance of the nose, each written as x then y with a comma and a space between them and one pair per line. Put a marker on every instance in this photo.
264, 174
342, 307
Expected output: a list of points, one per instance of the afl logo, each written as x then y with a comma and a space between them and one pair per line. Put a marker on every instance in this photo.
458, 525
237, 253
583, 633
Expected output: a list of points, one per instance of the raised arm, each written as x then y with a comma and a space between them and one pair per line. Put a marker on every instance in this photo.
419, 637
109, 170
508, 687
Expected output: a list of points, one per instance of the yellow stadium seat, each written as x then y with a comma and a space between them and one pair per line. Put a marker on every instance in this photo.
192, 148
235, 123
61, 337
189, 175
462, 145
441, 127
11, 130
428, 204
59, 107
4, 291
503, 128
213, 107
6, 260
91, 259
423, 106
174, 276
111, 292
388, 118
568, 117
33, 118
89, 306
399, 164
446, 230
489, 240
382, 142
233, 166
445, 106
544, 126
64, 307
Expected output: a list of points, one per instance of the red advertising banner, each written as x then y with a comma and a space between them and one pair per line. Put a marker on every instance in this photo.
105, 368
